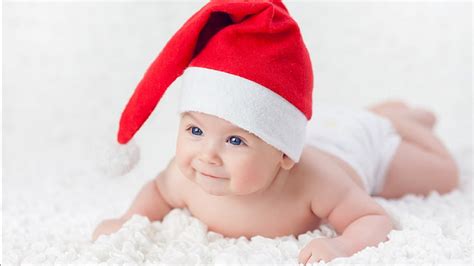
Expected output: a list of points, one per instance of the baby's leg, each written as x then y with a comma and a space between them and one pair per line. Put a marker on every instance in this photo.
421, 163
399, 108
418, 171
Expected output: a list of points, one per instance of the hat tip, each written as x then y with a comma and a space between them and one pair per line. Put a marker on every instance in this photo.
122, 138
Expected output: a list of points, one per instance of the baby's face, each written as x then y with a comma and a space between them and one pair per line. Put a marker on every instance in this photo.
224, 159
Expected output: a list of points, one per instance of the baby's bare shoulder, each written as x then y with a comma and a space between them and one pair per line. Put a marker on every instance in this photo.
319, 174
171, 185
316, 168
330, 188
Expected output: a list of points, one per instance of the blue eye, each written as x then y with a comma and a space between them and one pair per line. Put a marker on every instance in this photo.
196, 131
235, 140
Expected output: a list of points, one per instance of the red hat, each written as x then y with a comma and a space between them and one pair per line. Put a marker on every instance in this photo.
242, 61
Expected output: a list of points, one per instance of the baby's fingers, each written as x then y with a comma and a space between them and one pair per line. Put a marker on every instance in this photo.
305, 254
107, 227
311, 258
314, 258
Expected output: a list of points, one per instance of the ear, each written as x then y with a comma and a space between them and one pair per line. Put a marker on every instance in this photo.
286, 162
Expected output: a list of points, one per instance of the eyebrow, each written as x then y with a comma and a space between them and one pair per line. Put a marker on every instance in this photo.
231, 127
191, 116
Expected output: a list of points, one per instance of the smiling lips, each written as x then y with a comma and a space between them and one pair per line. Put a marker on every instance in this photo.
211, 176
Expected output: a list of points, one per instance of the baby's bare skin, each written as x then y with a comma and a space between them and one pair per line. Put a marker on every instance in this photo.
319, 188
289, 202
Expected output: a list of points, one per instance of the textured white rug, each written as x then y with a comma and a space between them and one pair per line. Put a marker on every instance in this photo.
69, 68
54, 197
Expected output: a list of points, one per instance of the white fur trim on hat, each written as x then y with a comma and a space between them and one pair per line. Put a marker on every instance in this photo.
247, 105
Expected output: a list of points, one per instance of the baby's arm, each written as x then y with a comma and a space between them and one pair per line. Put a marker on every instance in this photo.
359, 221
149, 202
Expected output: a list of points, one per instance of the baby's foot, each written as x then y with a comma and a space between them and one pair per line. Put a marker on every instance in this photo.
394, 108
387, 108
395, 105
422, 116
390, 109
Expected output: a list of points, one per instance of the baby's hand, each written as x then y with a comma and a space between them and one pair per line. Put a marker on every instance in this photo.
107, 227
322, 249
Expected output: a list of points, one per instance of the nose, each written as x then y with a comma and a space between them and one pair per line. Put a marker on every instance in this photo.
210, 154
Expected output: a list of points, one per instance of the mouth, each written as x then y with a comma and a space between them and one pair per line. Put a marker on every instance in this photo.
211, 176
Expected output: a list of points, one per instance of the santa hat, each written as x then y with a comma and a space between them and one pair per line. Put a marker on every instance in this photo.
242, 61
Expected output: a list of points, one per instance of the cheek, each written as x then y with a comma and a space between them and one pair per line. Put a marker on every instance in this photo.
184, 157
249, 174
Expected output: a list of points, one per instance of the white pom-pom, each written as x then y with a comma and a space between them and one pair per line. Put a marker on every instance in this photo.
114, 159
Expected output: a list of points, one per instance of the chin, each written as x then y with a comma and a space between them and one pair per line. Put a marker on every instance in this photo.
247, 193
211, 186
213, 192
216, 193
243, 190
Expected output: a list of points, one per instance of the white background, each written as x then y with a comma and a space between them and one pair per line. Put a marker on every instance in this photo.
70, 67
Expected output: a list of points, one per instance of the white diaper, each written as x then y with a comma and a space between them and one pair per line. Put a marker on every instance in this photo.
364, 140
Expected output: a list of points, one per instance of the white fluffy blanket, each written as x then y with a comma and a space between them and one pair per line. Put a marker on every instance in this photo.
70, 68
52, 203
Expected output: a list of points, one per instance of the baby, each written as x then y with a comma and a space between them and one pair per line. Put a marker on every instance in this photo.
248, 151
235, 183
